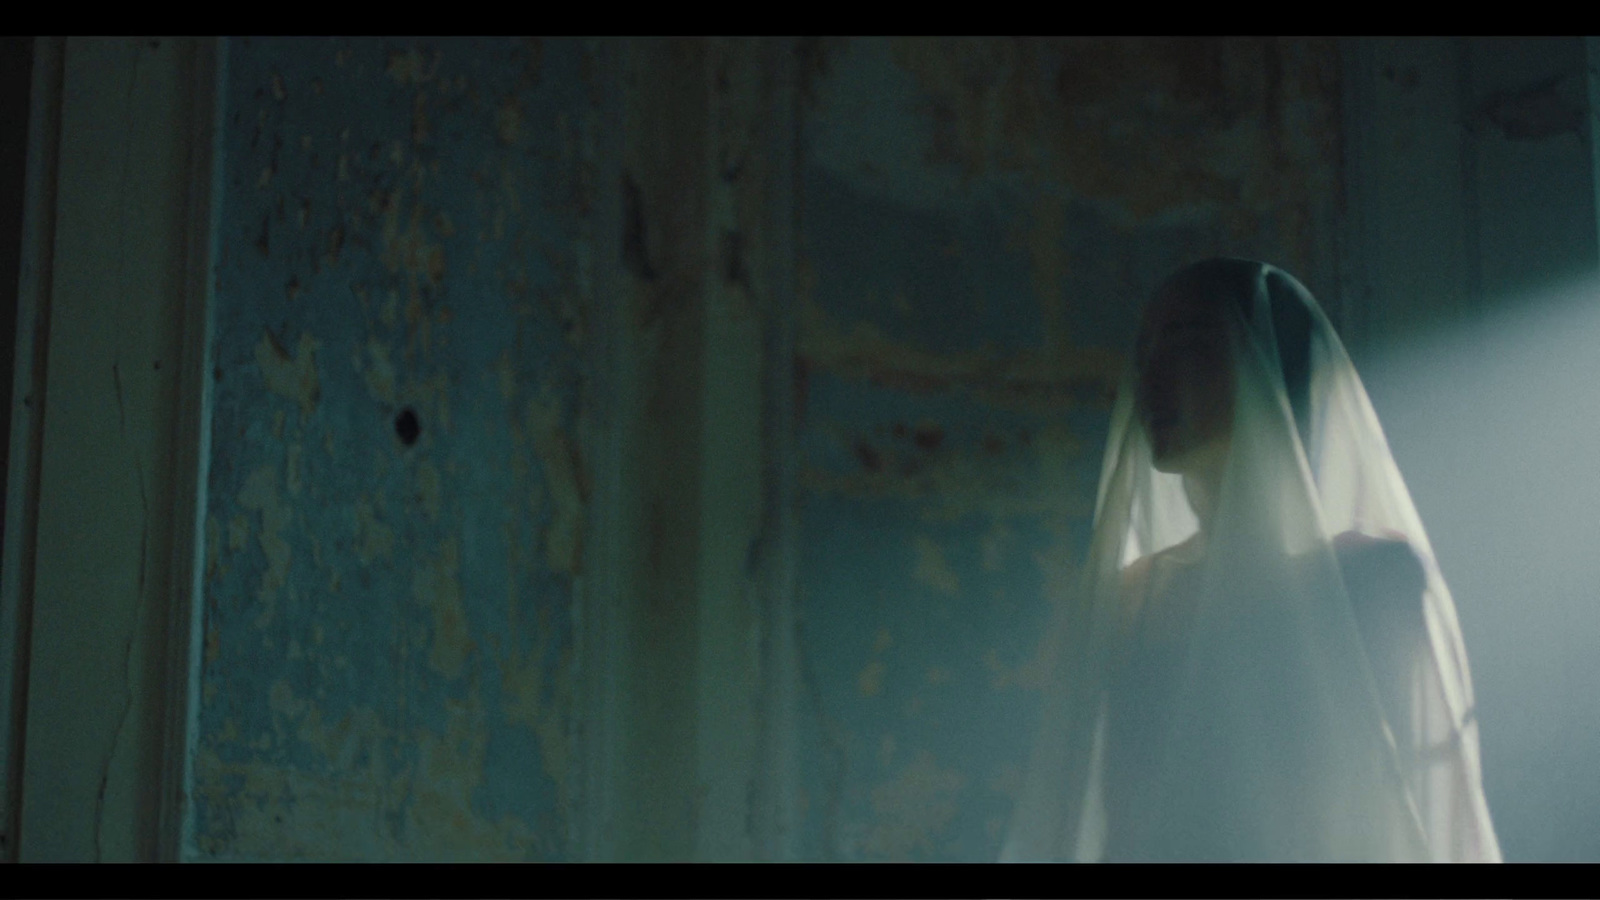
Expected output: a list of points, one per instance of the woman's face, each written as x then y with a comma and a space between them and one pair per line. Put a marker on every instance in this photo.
1185, 379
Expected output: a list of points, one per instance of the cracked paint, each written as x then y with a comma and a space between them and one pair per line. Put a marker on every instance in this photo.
260, 495
292, 377
387, 655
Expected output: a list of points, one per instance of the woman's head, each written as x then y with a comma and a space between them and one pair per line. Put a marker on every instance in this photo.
1185, 357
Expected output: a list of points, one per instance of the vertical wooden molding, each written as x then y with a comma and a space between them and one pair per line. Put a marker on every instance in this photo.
608, 406
775, 815
203, 70
119, 453
663, 201
28, 389
686, 610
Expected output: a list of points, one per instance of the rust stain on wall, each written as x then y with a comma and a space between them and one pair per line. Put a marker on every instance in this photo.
964, 480
1026, 380
1148, 125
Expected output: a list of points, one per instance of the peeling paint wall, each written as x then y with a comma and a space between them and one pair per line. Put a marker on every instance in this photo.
396, 496
668, 449
981, 221
398, 492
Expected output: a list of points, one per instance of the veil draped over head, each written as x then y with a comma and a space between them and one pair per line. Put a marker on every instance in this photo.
1288, 683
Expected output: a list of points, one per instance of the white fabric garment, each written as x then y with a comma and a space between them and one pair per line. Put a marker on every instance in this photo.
1287, 683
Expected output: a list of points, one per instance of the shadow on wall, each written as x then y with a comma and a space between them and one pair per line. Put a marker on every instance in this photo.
16, 72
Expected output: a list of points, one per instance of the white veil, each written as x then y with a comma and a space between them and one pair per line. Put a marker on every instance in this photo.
1289, 686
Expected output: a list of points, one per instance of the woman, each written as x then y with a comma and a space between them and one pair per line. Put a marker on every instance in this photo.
1262, 661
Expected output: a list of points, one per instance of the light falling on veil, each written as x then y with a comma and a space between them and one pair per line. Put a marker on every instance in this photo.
1287, 683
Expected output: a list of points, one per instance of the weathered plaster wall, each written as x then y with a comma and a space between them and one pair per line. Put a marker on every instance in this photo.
980, 222
668, 449
396, 491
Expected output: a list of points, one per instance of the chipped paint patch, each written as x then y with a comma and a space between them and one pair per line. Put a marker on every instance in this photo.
562, 473
436, 585
429, 489
532, 701
378, 373
933, 570
1029, 380
995, 544
355, 805
912, 810
260, 495
374, 539
291, 377
870, 682
411, 67
964, 481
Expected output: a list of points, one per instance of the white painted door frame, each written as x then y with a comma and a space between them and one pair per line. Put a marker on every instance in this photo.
98, 574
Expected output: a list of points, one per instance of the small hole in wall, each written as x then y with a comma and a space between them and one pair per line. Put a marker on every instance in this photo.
407, 426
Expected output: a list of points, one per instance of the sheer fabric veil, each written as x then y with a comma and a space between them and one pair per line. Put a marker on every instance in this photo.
1237, 694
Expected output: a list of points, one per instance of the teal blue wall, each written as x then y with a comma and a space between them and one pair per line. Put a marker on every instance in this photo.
387, 627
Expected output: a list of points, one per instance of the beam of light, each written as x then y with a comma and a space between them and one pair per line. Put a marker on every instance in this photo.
1495, 425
